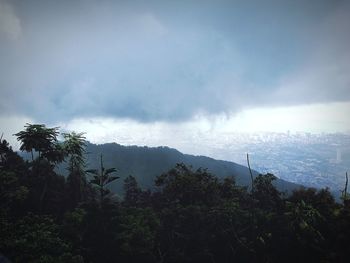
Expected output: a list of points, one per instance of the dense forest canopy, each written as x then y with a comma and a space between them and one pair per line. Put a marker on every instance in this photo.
189, 215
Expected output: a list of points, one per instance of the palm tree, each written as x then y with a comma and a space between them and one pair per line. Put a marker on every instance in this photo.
101, 178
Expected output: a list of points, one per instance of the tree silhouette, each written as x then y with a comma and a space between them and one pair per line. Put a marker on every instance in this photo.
101, 178
74, 147
43, 140
39, 138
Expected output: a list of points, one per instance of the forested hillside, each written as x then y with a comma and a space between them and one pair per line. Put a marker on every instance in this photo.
146, 163
189, 214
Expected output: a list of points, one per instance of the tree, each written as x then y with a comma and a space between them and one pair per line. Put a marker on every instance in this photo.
101, 178
132, 192
74, 147
39, 138
265, 192
35, 238
344, 192
4, 147
10, 160
185, 186
138, 234
43, 140
12, 193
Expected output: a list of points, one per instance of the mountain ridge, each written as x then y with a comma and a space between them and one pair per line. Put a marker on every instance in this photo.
146, 163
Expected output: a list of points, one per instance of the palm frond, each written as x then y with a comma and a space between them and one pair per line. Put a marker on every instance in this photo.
110, 170
92, 171
111, 179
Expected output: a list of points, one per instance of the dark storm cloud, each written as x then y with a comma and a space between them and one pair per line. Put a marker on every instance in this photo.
168, 60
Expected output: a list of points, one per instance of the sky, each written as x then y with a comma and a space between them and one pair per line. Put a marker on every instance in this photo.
154, 72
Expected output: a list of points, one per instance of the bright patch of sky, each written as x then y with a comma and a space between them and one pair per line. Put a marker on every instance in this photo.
319, 118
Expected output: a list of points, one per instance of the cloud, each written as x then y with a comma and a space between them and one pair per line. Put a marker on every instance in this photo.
324, 75
10, 25
11, 124
140, 69
200, 132
169, 62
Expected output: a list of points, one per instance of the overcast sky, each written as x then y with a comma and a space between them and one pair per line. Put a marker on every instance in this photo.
247, 65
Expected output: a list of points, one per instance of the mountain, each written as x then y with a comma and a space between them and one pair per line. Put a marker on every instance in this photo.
145, 163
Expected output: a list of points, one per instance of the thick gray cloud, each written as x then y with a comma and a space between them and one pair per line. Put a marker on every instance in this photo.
168, 60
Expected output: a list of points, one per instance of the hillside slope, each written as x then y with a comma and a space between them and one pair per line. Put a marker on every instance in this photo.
145, 163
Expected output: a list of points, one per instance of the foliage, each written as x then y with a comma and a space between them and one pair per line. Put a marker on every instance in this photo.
39, 138
101, 178
137, 234
74, 146
145, 163
35, 238
190, 215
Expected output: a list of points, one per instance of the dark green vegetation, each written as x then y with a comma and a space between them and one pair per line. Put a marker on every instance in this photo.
146, 163
190, 215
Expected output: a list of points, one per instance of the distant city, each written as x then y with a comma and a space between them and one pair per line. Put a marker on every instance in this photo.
316, 160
